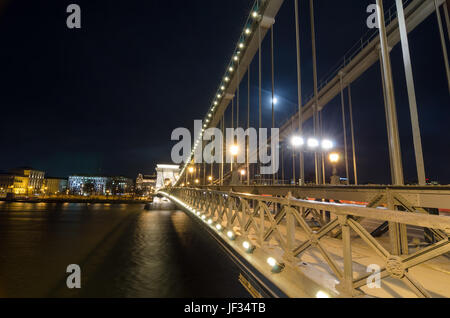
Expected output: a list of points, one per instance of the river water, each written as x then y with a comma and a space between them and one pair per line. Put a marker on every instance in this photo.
122, 250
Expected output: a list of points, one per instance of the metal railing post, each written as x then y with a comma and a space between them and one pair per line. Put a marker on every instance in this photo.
347, 283
397, 232
290, 230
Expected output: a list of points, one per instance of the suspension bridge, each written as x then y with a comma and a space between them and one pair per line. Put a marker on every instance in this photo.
326, 236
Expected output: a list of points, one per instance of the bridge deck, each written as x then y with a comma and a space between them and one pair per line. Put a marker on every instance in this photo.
331, 245
434, 275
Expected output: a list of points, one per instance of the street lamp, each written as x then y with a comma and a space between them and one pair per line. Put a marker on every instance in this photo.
234, 150
297, 141
243, 173
191, 171
327, 144
313, 143
334, 159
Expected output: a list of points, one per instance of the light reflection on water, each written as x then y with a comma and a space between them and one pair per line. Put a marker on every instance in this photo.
123, 251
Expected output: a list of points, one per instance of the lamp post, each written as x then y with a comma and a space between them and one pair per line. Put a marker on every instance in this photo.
334, 159
297, 142
191, 171
243, 173
234, 150
313, 145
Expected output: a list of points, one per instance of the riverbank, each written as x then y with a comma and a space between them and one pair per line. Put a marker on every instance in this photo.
79, 200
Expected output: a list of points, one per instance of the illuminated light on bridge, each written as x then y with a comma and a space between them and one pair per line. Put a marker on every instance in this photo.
334, 157
234, 150
219, 227
322, 294
327, 144
276, 266
313, 143
297, 141
231, 235
249, 248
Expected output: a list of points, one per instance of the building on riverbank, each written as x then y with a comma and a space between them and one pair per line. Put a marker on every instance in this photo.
10, 183
22, 181
87, 184
56, 185
120, 185
100, 185
145, 184
35, 178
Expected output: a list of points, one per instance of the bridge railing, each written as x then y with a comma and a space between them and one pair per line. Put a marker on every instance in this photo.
295, 227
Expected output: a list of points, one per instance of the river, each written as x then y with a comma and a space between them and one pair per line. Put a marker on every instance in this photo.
122, 250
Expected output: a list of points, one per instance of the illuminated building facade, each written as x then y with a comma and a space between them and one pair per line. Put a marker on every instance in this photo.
87, 185
10, 183
120, 185
145, 184
35, 178
22, 181
55, 185
99, 185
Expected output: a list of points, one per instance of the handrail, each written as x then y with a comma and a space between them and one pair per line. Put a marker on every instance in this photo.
300, 225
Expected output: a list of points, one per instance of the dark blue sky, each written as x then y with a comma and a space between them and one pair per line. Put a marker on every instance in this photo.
105, 99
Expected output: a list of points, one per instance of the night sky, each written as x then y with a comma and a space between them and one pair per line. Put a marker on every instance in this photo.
105, 99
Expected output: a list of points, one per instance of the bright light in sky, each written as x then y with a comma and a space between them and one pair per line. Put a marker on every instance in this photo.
275, 100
